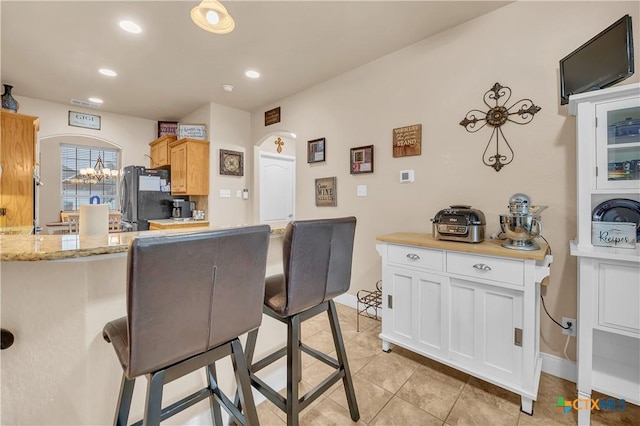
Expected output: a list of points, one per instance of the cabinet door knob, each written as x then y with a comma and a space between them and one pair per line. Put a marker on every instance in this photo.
413, 256
482, 267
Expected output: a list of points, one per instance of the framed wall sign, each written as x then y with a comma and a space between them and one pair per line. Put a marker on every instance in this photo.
193, 131
407, 140
231, 163
361, 160
326, 192
272, 116
81, 119
167, 128
316, 150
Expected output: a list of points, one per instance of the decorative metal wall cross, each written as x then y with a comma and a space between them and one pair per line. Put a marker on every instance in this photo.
497, 115
279, 142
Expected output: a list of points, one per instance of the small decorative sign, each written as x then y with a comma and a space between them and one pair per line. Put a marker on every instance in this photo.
81, 119
326, 192
614, 234
407, 141
272, 116
167, 128
193, 131
361, 160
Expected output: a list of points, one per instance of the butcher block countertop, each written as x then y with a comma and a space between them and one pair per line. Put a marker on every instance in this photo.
71, 246
175, 224
487, 247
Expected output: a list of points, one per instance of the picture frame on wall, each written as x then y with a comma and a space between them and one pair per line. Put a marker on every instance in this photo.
231, 163
316, 150
361, 160
326, 192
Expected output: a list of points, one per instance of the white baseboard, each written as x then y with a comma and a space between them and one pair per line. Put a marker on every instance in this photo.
559, 367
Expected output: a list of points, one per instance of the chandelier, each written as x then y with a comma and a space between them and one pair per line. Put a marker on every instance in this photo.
98, 172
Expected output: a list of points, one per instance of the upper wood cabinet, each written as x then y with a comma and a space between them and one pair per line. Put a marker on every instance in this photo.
189, 167
160, 152
18, 159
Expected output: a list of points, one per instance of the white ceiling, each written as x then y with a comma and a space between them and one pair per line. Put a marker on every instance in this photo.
52, 50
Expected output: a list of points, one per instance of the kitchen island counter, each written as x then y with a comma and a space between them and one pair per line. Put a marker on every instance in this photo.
58, 292
70, 246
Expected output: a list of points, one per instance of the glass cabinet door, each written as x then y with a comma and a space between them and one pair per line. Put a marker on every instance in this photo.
618, 145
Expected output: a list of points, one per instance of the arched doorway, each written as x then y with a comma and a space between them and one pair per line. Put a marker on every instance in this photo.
275, 178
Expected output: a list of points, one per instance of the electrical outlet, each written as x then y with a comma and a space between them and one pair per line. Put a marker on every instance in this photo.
569, 331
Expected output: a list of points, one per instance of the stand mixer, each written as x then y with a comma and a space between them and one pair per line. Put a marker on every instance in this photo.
522, 224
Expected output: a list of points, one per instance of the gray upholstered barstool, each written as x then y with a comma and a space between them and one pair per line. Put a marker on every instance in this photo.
189, 297
317, 258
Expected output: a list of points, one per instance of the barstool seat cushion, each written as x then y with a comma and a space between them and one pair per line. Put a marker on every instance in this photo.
275, 294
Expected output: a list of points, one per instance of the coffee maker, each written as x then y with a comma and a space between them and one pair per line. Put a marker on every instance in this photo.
181, 209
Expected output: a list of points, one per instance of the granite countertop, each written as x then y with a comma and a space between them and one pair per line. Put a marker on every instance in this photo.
70, 246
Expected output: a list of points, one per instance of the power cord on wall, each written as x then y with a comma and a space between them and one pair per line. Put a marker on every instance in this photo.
569, 325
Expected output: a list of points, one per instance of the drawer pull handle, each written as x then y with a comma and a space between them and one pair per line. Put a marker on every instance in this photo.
413, 256
482, 267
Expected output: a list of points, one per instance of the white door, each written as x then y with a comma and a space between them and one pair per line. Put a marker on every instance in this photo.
277, 187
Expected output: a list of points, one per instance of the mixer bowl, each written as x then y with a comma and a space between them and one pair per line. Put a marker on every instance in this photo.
520, 230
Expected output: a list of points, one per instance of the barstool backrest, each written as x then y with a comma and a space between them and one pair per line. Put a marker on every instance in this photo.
317, 257
189, 293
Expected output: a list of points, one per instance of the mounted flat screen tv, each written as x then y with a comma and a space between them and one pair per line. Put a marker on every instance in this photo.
601, 62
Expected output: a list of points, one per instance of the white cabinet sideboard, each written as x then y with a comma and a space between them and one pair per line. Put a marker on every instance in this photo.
608, 166
474, 307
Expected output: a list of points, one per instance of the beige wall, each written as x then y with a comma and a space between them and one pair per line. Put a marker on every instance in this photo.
132, 135
435, 83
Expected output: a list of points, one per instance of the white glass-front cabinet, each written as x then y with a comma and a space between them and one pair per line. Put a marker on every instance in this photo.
608, 166
618, 144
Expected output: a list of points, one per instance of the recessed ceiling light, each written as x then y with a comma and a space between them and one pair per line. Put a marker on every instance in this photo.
227, 87
252, 74
130, 27
96, 100
107, 72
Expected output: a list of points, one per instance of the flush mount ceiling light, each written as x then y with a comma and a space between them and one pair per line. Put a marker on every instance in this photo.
130, 27
212, 16
107, 72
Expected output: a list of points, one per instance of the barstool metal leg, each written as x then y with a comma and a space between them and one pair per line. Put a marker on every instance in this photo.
212, 379
294, 368
153, 405
243, 384
347, 381
124, 401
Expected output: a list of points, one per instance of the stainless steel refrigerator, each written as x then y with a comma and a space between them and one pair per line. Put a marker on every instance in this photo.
142, 198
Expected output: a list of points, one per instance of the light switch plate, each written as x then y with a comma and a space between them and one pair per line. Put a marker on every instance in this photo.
225, 193
361, 190
239, 193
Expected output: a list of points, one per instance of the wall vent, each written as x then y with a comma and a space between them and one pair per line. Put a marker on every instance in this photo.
84, 103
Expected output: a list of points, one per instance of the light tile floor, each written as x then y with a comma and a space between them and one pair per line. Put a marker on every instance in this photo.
403, 388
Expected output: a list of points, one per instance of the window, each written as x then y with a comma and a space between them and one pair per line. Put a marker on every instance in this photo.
76, 189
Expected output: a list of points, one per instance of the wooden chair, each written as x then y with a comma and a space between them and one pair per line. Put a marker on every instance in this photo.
74, 223
114, 222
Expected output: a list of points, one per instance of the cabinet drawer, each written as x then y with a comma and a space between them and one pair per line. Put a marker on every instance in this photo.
416, 256
487, 267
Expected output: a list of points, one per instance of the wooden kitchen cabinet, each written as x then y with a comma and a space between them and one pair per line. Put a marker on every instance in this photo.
160, 152
474, 307
608, 154
18, 150
189, 167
